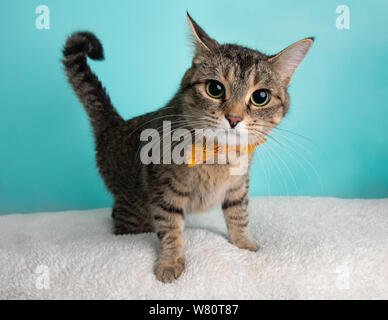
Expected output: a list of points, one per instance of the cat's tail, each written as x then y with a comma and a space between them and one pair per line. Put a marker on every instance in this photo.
85, 83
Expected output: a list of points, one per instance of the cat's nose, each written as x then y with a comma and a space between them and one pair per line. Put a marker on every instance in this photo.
233, 120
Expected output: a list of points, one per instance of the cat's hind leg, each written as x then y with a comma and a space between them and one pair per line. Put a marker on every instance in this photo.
131, 217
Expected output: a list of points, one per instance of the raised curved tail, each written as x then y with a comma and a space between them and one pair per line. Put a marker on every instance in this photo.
85, 83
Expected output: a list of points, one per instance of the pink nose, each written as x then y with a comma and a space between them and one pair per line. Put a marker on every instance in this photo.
233, 120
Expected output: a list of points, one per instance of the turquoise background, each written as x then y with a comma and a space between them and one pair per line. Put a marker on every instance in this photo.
332, 143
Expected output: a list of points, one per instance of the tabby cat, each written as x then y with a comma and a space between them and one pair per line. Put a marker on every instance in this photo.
228, 88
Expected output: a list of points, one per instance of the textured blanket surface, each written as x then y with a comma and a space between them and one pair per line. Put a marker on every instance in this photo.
311, 248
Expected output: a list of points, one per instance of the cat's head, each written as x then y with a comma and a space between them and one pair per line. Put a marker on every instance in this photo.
235, 89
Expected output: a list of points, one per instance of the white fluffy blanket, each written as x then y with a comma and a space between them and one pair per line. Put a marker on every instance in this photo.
311, 248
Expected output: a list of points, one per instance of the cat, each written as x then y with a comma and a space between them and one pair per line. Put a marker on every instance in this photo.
228, 87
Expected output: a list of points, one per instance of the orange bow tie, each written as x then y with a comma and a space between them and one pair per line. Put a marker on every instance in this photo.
201, 153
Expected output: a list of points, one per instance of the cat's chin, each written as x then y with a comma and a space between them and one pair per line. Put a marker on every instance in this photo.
229, 136
238, 133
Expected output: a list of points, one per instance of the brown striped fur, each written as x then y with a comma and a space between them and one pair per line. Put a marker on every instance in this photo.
156, 197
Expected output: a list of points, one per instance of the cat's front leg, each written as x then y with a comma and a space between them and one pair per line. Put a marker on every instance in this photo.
235, 208
168, 225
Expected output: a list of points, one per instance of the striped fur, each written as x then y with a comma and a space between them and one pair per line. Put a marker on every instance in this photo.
157, 197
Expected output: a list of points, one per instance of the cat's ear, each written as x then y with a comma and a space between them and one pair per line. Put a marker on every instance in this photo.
286, 62
201, 40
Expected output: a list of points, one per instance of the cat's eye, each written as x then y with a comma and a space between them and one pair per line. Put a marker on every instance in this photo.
260, 97
215, 89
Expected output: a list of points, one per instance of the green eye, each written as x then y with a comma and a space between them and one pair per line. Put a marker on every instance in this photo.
260, 97
215, 89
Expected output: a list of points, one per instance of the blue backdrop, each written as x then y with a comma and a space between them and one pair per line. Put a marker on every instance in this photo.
332, 143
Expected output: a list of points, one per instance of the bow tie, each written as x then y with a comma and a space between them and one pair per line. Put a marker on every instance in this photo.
200, 153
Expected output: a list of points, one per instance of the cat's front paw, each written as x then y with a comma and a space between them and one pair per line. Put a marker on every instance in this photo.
247, 244
168, 271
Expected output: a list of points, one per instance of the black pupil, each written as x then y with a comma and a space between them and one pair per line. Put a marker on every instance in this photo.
260, 96
215, 88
